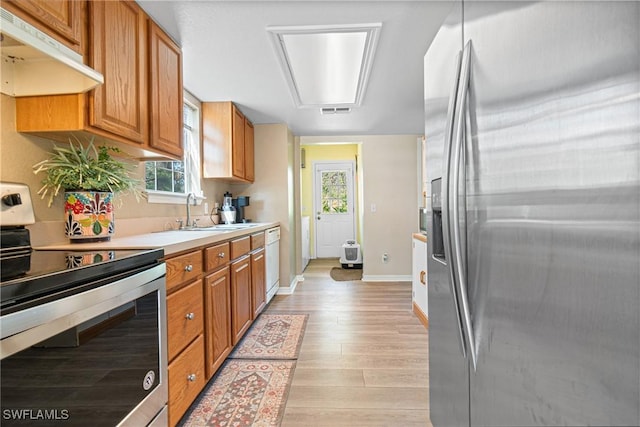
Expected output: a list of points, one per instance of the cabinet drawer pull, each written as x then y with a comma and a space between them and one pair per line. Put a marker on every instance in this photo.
221, 255
188, 268
191, 377
190, 316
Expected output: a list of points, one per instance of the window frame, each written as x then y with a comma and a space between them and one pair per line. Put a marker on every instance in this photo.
191, 169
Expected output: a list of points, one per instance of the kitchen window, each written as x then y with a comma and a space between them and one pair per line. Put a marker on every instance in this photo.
171, 181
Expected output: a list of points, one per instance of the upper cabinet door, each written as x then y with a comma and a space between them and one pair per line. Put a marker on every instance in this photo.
119, 39
227, 143
61, 19
165, 79
248, 151
238, 155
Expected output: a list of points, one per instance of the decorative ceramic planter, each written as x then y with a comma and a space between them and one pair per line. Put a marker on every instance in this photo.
88, 216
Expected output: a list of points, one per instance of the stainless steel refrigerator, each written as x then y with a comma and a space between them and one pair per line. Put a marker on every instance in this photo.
533, 156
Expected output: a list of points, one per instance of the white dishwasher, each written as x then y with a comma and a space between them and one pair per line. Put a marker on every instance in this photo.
272, 255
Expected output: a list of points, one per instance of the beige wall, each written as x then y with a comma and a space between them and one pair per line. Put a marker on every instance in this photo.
271, 195
390, 181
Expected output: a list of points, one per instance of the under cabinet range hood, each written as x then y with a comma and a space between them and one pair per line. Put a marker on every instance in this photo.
34, 63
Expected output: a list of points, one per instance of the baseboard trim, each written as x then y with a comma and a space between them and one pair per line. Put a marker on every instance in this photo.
289, 290
420, 315
386, 278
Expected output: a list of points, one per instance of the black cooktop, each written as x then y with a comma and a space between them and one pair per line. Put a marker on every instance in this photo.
35, 277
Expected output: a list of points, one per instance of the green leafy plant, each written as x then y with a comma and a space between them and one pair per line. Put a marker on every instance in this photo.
87, 167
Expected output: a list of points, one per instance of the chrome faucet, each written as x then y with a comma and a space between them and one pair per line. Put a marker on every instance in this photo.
189, 197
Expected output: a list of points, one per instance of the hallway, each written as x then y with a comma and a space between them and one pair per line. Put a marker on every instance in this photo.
364, 357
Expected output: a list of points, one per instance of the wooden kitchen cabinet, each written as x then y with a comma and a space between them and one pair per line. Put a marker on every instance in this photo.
213, 295
239, 247
216, 256
165, 90
257, 241
118, 37
249, 160
237, 144
185, 331
217, 293
183, 268
258, 274
186, 379
142, 85
258, 282
419, 278
228, 147
185, 317
63, 20
241, 315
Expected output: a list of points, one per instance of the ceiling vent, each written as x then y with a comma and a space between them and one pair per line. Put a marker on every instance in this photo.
326, 66
335, 110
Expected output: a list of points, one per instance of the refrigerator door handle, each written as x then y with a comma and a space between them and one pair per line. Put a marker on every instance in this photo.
456, 157
446, 223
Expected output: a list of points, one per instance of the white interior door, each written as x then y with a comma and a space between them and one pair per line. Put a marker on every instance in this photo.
333, 206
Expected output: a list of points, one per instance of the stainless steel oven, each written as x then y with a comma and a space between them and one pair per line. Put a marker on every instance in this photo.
82, 333
95, 357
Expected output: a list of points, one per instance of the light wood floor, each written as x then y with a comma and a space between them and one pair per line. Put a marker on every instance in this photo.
364, 357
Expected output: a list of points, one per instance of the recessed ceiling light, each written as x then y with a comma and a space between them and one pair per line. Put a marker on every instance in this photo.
326, 65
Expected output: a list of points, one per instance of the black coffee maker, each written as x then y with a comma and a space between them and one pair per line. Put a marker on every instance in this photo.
239, 204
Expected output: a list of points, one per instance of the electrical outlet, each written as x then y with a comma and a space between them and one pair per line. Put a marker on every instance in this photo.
385, 258
206, 207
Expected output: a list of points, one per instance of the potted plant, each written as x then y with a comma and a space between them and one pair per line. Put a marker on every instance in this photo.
89, 177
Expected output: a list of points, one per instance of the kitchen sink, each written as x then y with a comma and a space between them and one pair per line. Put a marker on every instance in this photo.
234, 226
220, 227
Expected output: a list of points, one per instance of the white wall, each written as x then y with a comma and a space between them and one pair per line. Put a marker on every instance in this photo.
390, 182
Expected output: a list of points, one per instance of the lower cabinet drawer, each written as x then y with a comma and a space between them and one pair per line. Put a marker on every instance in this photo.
186, 379
185, 317
182, 268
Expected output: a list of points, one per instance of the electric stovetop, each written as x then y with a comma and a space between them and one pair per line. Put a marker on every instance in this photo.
39, 276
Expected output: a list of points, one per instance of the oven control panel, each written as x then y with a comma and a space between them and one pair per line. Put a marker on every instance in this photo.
15, 204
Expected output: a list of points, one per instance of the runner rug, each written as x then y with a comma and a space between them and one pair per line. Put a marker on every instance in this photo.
272, 336
244, 393
251, 387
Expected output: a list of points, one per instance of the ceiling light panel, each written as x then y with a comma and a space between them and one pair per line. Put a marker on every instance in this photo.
326, 65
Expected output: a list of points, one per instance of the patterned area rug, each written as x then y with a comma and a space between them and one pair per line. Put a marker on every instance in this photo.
245, 393
272, 336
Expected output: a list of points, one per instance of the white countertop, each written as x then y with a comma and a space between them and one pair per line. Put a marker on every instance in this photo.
172, 241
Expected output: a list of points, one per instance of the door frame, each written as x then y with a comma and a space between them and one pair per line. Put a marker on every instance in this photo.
352, 164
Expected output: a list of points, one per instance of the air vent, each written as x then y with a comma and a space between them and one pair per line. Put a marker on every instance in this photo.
334, 110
